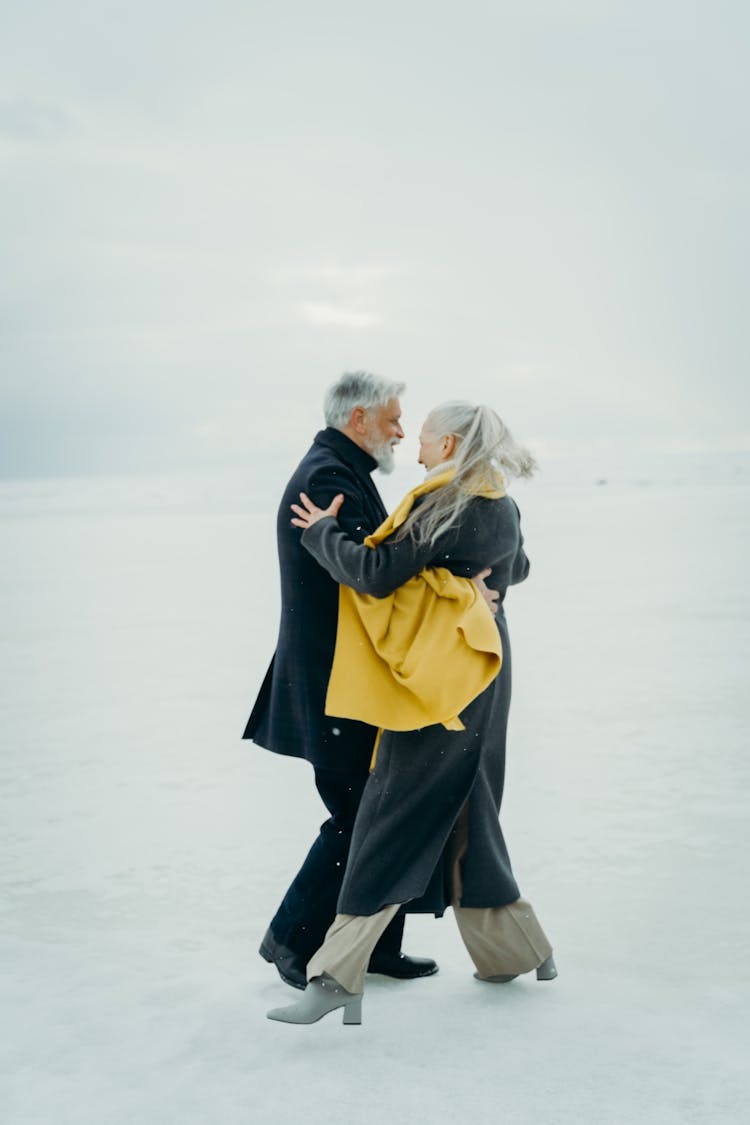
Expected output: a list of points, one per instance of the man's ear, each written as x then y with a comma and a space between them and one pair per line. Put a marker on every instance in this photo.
358, 420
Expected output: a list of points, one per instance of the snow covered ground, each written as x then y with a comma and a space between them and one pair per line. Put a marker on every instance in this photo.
144, 847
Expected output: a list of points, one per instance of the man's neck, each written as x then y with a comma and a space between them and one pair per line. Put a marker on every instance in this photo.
352, 434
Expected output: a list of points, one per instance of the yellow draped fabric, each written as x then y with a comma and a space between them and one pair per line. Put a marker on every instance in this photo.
420, 655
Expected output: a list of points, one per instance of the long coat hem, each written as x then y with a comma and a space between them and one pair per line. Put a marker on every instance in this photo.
402, 845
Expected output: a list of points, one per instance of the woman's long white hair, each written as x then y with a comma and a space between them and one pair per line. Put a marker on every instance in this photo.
485, 454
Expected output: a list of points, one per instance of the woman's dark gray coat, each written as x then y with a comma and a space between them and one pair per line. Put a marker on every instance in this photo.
424, 778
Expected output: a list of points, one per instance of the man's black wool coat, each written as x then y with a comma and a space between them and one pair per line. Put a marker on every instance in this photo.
288, 716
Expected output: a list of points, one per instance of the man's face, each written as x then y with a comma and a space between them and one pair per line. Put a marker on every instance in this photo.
384, 433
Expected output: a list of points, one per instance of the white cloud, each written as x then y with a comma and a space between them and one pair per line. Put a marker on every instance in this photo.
353, 276
334, 273
325, 312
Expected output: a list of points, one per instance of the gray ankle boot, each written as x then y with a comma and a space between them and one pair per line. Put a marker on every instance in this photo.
547, 970
322, 995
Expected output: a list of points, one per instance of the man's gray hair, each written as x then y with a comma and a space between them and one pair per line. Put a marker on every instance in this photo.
357, 388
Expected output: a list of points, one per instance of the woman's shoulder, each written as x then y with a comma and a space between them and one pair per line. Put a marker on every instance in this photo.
499, 507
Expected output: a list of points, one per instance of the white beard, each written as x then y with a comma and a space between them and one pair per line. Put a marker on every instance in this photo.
384, 455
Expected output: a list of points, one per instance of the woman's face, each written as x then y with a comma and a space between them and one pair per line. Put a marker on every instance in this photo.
433, 449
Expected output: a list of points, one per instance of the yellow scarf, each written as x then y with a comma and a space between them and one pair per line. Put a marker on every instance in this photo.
420, 655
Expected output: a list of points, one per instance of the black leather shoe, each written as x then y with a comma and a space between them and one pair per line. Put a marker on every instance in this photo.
401, 966
290, 966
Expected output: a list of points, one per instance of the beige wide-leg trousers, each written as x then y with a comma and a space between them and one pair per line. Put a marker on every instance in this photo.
499, 940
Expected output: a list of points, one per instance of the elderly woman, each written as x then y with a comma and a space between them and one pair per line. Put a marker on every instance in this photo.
427, 832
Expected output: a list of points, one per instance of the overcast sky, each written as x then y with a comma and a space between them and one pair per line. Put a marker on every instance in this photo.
210, 210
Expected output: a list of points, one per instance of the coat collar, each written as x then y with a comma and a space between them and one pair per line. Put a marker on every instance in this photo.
348, 451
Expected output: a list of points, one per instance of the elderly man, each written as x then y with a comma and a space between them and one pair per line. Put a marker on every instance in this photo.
363, 427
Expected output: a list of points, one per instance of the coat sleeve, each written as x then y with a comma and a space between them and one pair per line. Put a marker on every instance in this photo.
520, 568
377, 571
327, 483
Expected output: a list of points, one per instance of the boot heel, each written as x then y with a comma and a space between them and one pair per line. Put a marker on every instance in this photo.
547, 970
353, 1011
